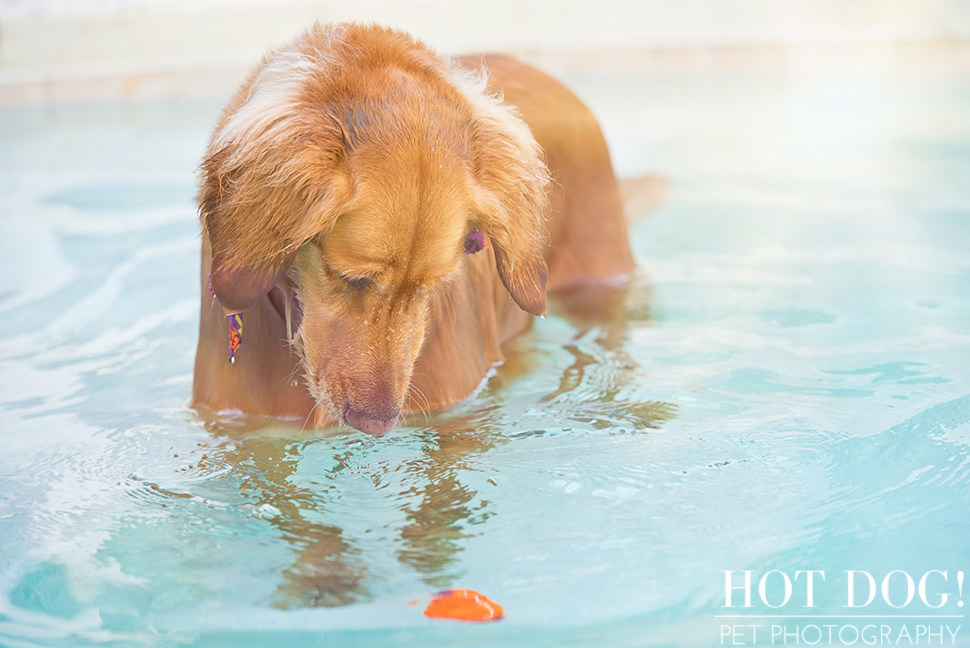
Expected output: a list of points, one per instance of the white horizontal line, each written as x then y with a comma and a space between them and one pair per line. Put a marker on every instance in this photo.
838, 616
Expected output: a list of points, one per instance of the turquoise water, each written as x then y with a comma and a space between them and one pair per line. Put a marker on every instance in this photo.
785, 387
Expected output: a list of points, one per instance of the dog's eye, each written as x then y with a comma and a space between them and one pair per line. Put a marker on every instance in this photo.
360, 284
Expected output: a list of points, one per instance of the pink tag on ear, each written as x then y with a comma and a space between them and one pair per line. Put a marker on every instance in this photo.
475, 242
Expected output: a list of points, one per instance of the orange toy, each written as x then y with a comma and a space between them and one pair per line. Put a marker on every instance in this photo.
463, 605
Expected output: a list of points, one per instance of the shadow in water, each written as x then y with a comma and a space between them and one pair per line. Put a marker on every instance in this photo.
436, 525
593, 389
440, 509
323, 572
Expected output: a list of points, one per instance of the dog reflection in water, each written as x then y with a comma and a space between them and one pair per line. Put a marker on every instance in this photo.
328, 567
438, 506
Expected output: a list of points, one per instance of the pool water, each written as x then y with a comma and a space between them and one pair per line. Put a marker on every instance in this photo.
784, 387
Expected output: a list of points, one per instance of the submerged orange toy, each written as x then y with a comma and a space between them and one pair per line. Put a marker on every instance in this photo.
463, 605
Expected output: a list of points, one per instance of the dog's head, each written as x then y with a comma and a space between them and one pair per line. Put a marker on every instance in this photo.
361, 169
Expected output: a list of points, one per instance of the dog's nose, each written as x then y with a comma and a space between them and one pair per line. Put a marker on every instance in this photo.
375, 424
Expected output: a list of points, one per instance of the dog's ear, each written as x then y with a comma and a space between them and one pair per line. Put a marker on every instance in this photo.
265, 192
274, 177
238, 289
510, 170
520, 265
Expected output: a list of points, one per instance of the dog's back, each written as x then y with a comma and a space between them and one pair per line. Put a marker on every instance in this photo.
587, 229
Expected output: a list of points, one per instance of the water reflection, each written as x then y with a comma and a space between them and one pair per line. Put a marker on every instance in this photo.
438, 523
328, 567
431, 488
322, 572
602, 319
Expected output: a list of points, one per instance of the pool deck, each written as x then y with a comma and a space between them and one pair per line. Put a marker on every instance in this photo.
55, 52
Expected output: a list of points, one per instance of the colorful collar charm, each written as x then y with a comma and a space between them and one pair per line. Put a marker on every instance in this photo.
235, 326
235, 335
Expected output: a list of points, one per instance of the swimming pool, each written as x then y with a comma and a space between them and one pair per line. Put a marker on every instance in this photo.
784, 388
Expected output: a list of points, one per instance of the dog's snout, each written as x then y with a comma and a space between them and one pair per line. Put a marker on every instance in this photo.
376, 423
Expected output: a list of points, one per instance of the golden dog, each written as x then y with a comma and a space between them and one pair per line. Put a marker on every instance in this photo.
378, 220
